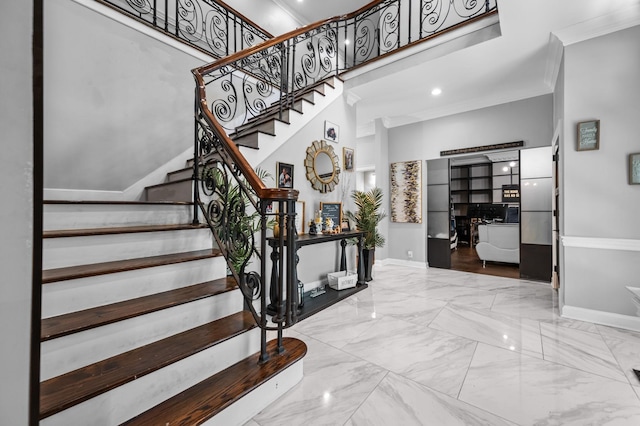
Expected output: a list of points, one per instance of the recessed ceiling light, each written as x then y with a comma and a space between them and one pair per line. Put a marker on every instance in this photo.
505, 169
436, 91
346, 41
512, 164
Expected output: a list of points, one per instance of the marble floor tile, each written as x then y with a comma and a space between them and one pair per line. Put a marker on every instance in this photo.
509, 332
618, 333
579, 349
440, 347
399, 401
627, 354
530, 391
433, 358
334, 385
532, 307
338, 324
411, 308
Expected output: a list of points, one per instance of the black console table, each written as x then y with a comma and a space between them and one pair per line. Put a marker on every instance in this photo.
308, 305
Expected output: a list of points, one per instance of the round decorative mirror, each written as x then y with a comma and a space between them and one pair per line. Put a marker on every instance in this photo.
322, 166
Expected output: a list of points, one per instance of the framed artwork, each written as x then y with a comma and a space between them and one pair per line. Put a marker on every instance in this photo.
333, 211
588, 135
345, 225
406, 192
284, 172
634, 169
331, 132
348, 158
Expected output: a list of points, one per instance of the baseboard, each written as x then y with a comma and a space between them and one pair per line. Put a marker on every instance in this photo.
402, 262
626, 322
82, 195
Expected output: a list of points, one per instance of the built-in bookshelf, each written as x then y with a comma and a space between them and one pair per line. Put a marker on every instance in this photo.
470, 184
479, 183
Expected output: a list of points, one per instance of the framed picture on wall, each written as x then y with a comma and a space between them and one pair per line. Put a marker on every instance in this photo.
348, 158
284, 172
588, 135
634, 169
331, 132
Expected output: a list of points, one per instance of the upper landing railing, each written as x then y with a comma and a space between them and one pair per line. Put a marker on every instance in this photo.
233, 199
208, 25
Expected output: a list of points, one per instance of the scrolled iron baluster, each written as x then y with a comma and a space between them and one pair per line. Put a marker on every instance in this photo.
216, 34
190, 20
143, 7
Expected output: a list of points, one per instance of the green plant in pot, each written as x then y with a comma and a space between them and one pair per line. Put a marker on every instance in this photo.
366, 217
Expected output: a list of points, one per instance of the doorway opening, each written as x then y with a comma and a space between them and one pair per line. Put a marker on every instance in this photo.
485, 214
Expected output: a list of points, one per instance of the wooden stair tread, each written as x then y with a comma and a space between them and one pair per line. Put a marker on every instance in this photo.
119, 230
133, 203
67, 390
209, 397
63, 325
82, 271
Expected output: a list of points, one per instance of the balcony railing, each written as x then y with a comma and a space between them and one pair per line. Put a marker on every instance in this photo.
208, 25
274, 74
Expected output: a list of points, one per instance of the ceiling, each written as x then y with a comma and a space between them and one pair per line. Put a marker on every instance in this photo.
513, 66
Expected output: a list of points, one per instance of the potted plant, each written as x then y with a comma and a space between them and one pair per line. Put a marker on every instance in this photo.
366, 218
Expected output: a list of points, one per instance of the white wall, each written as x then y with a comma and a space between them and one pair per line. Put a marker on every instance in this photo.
529, 120
117, 99
16, 215
600, 211
317, 260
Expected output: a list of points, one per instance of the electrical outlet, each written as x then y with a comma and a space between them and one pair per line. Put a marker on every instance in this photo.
409, 254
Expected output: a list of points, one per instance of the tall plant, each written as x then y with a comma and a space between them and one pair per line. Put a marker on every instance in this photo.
368, 215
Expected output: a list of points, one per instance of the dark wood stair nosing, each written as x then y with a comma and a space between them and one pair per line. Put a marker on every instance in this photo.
86, 232
62, 392
87, 319
204, 400
84, 271
118, 203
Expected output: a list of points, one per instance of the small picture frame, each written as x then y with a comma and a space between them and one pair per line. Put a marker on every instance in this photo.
333, 211
588, 135
284, 173
331, 132
634, 169
348, 158
345, 225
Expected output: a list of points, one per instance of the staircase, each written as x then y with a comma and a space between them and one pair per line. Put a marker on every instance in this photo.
141, 324
258, 138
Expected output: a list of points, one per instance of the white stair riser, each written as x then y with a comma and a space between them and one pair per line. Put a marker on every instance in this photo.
83, 293
133, 398
77, 350
85, 250
172, 191
258, 399
183, 174
80, 216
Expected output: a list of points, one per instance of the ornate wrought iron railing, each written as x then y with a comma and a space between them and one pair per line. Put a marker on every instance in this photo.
208, 25
272, 76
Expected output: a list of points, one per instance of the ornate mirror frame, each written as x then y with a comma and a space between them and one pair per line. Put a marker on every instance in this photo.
322, 182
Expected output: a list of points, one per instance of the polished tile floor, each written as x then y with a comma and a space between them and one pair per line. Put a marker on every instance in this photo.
441, 347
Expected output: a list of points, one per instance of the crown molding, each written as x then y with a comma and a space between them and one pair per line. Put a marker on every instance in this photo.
606, 24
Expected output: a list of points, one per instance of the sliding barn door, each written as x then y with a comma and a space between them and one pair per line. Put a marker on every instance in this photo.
438, 214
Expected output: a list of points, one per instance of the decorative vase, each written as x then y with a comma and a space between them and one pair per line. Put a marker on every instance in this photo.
368, 256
